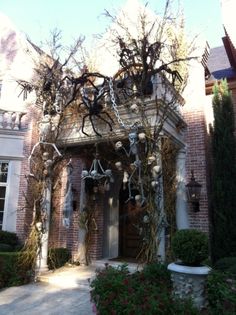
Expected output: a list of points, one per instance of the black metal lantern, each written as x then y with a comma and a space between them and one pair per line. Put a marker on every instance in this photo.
193, 192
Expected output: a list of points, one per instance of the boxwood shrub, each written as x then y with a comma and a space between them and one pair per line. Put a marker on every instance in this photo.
57, 257
11, 273
9, 238
190, 246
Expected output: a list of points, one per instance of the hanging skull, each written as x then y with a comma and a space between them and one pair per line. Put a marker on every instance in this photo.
134, 108
118, 165
151, 159
142, 137
118, 145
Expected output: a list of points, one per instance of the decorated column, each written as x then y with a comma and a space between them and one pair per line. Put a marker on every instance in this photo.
182, 220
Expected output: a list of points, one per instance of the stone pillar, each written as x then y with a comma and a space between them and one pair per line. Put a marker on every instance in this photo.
42, 265
162, 218
182, 220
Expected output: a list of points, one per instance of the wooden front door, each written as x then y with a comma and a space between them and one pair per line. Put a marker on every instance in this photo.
130, 240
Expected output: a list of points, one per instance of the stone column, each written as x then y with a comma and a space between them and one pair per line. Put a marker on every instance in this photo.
42, 265
182, 220
161, 215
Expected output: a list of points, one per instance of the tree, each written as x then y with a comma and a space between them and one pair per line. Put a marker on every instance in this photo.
224, 174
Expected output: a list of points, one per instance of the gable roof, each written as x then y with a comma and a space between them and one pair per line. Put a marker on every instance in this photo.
219, 66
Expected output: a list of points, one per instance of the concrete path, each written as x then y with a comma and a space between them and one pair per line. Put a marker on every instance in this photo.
40, 298
63, 292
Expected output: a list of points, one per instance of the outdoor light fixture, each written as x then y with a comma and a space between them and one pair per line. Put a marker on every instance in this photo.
193, 193
97, 176
96, 171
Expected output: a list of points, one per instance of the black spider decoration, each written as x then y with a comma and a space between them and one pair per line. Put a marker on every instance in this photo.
95, 109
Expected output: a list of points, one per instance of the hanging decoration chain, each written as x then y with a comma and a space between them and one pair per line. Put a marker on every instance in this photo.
115, 108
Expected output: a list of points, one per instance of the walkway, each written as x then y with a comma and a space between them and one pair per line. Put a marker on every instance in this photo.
65, 291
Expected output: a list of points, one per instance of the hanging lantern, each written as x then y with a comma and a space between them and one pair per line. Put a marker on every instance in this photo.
194, 192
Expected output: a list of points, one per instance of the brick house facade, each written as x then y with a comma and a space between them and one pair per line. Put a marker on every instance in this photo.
105, 231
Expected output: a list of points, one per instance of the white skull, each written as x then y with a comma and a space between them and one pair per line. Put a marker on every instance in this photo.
39, 226
132, 137
142, 137
146, 219
84, 173
137, 197
151, 159
118, 165
154, 184
156, 169
118, 145
94, 173
108, 172
134, 108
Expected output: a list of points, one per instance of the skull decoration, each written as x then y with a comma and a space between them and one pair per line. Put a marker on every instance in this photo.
132, 137
151, 159
118, 145
45, 127
134, 108
142, 137
118, 165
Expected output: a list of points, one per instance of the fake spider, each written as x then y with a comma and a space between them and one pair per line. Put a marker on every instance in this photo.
95, 109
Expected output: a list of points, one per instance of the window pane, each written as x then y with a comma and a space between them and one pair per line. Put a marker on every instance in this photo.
3, 172
2, 192
1, 217
1, 204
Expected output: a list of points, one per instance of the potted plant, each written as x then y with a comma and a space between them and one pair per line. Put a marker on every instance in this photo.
188, 274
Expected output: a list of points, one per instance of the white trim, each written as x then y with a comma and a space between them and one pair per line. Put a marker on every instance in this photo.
5, 184
203, 270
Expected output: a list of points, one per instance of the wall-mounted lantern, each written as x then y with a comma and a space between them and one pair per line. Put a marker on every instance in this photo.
193, 193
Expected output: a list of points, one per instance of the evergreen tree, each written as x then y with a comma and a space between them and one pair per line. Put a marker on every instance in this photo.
224, 174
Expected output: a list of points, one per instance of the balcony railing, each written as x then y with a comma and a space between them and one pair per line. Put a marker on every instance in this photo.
11, 120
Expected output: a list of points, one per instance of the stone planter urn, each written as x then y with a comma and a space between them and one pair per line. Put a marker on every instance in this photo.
189, 282
188, 275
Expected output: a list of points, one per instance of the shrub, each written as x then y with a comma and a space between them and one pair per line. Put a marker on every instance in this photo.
227, 264
116, 291
57, 257
6, 248
9, 238
11, 273
190, 246
221, 294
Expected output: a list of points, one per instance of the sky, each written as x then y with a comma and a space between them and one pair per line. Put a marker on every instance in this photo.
37, 18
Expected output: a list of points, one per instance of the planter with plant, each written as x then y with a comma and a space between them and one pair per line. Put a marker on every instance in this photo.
190, 249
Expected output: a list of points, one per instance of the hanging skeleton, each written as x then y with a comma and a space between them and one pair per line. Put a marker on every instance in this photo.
68, 201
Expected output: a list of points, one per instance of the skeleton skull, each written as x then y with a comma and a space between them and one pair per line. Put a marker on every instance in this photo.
134, 108
151, 159
142, 137
118, 165
118, 145
84, 173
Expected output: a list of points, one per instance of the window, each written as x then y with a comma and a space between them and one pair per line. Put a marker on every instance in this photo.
3, 186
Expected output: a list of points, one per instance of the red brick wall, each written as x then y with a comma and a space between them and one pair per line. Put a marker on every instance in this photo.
61, 236
196, 138
24, 212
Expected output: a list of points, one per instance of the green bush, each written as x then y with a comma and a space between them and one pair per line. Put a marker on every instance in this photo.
11, 273
6, 248
9, 238
227, 264
190, 246
57, 257
221, 291
116, 291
